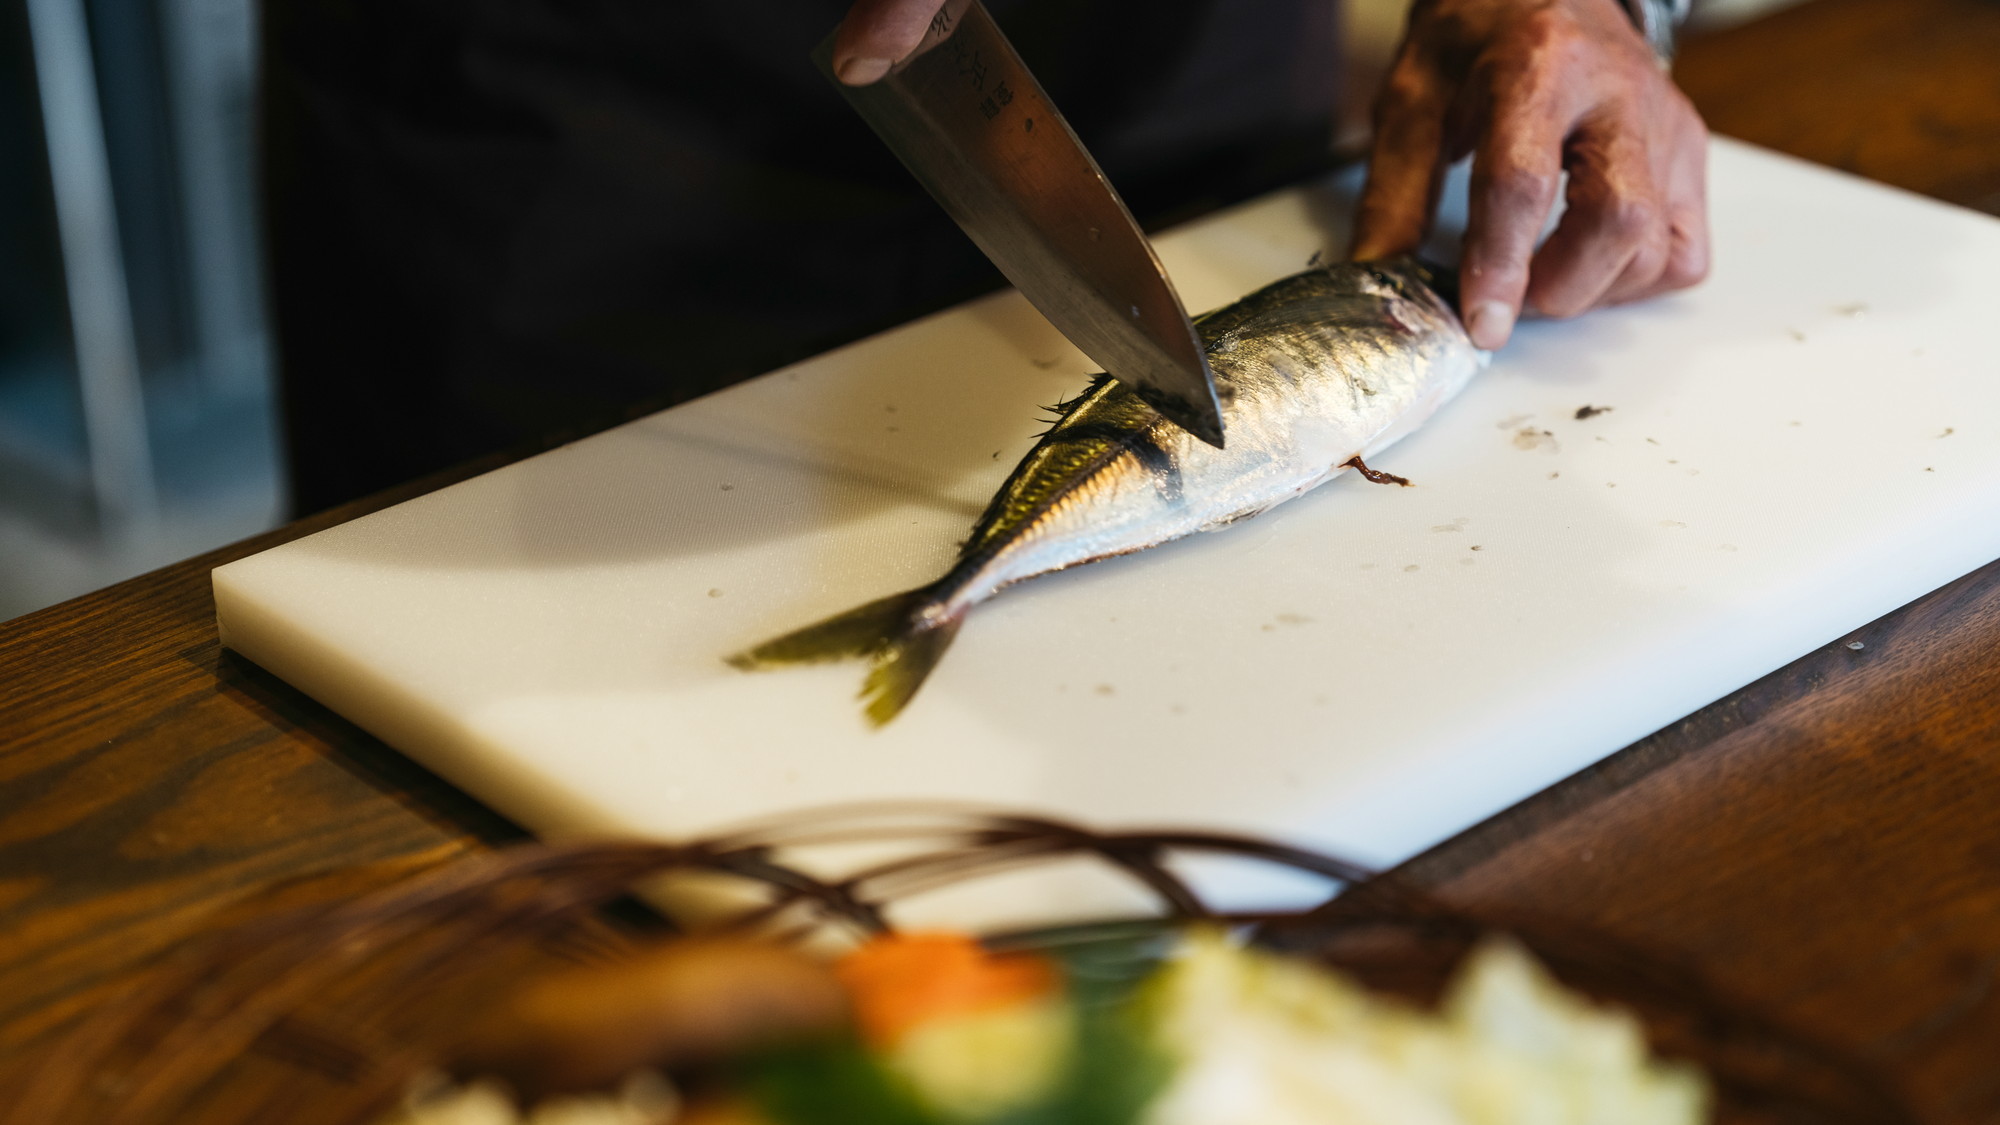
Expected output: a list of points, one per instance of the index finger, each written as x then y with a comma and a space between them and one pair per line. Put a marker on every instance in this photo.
1404, 163
877, 34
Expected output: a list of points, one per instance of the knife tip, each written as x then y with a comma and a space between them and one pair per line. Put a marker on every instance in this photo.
1205, 424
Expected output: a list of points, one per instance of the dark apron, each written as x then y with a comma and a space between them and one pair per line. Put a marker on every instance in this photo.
500, 221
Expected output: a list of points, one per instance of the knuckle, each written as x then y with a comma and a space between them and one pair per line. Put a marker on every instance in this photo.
1549, 39
1502, 72
1536, 26
1487, 273
1684, 273
1408, 83
1649, 264
1513, 186
1633, 219
1534, 53
1558, 302
1687, 262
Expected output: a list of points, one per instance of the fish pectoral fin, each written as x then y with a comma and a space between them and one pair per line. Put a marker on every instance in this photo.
1376, 475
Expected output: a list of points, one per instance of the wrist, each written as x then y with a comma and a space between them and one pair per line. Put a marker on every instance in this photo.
1657, 21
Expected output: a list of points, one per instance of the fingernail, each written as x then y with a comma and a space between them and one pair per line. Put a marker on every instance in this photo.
1489, 323
859, 71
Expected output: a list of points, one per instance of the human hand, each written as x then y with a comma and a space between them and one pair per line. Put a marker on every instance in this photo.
877, 34
1533, 88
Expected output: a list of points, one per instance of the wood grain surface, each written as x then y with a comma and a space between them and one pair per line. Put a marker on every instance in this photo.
1902, 91
148, 779
1824, 844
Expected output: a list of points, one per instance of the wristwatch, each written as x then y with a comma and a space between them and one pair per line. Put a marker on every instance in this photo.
1656, 20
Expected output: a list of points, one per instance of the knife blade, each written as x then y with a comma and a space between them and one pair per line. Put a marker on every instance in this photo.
967, 118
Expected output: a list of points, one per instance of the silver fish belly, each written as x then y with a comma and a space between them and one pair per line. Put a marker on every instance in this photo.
1316, 371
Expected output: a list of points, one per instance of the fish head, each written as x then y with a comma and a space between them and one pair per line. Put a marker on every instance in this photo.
1414, 279
1409, 280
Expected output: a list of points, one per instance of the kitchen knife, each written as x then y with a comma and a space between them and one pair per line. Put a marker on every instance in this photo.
969, 120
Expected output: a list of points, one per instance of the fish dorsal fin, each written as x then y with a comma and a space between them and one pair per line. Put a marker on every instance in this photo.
1063, 408
1037, 477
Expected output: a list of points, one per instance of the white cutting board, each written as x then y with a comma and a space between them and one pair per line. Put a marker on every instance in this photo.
1802, 444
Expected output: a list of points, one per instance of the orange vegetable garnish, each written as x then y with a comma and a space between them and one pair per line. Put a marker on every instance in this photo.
902, 981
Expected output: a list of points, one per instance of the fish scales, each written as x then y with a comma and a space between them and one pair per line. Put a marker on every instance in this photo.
1315, 370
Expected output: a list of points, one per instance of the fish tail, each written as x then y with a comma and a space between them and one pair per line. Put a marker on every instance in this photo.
901, 636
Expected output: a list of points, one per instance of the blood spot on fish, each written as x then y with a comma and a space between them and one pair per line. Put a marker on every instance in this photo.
1587, 411
1375, 475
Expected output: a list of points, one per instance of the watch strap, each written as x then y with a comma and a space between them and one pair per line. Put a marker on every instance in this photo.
1657, 21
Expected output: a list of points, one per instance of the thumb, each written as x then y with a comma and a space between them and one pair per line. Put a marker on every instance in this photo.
877, 34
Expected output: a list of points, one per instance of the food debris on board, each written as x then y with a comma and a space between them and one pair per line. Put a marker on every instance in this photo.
1531, 438
1200, 1029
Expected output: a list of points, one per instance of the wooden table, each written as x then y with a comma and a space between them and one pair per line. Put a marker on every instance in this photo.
1824, 843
